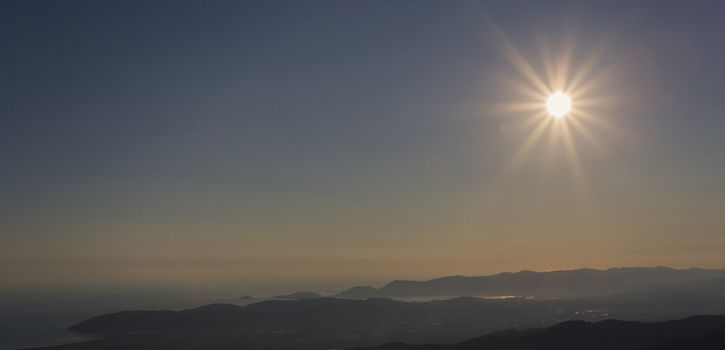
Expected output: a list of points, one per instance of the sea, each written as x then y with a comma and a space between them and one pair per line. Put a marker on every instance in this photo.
34, 318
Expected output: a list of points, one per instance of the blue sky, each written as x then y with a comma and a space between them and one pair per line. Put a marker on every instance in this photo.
351, 139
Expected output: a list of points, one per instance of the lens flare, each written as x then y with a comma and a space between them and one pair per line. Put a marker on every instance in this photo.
556, 98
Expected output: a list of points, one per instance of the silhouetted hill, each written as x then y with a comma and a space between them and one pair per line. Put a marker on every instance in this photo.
695, 332
440, 320
360, 292
444, 319
205, 317
326, 323
711, 341
462, 313
300, 295
565, 283
663, 302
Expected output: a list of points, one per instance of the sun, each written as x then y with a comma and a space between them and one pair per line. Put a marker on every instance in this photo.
559, 98
558, 104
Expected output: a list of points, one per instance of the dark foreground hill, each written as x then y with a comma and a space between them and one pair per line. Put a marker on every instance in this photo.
335, 323
441, 320
331, 323
693, 333
565, 283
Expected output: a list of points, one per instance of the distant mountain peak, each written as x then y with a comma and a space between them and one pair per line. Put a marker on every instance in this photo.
560, 283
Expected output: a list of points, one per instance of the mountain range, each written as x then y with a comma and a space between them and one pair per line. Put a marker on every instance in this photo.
341, 323
558, 284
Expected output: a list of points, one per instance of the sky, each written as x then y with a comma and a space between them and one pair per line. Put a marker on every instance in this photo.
354, 141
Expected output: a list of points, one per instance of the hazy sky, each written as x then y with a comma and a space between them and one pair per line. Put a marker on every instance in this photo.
353, 140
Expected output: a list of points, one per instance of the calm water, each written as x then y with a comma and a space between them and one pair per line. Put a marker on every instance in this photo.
42, 319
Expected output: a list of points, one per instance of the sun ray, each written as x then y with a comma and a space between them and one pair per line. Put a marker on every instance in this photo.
515, 107
531, 121
564, 66
599, 101
588, 117
517, 60
510, 170
562, 104
584, 89
581, 189
588, 67
548, 64
587, 135
572, 157
524, 89
553, 142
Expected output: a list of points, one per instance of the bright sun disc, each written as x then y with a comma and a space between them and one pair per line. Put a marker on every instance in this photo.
558, 104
